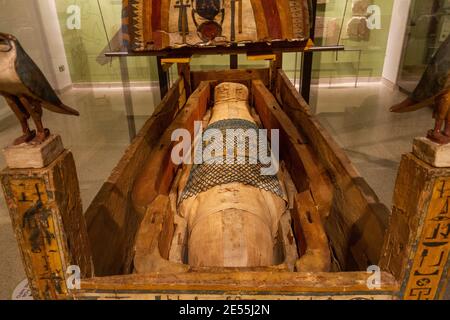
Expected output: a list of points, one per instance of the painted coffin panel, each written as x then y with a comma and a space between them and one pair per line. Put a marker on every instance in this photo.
150, 25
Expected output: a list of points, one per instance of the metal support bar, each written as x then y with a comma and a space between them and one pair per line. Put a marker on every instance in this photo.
234, 64
308, 59
259, 57
163, 79
129, 108
147, 54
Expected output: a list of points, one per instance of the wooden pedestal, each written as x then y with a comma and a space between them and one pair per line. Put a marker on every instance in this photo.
33, 156
48, 222
432, 153
417, 245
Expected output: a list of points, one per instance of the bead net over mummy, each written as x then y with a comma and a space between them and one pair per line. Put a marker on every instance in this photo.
245, 166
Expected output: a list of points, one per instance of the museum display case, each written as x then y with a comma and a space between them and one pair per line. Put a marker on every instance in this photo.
428, 27
231, 188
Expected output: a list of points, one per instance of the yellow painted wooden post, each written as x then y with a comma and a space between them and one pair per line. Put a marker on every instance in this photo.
47, 218
417, 245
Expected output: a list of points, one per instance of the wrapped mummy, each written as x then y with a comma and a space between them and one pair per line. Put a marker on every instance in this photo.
231, 208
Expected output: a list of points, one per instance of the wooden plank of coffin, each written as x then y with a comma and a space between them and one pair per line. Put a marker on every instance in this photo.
358, 220
157, 174
111, 221
300, 160
248, 283
148, 256
311, 238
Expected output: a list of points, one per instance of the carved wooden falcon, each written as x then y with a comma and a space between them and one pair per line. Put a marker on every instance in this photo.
433, 90
26, 90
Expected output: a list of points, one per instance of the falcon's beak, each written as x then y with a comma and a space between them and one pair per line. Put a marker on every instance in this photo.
5, 42
7, 36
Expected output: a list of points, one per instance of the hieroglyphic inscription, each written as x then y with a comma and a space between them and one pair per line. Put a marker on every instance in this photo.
40, 247
431, 257
204, 297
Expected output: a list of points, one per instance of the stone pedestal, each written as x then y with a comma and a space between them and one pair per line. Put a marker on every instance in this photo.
33, 156
434, 154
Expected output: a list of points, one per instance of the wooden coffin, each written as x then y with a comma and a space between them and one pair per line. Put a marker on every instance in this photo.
330, 192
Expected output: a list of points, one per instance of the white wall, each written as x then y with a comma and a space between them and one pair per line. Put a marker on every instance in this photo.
397, 34
35, 24
53, 44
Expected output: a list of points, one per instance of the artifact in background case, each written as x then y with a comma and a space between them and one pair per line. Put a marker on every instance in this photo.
357, 28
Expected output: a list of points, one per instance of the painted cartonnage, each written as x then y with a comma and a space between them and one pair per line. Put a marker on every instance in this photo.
162, 24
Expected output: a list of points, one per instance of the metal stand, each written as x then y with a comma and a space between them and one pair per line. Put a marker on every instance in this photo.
129, 109
234, 64
163, 78
308, 59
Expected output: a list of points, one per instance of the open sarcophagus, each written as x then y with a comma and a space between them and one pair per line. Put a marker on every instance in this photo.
228, 211
237, 252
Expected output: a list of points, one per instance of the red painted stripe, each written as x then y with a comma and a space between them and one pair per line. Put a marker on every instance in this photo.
156, 15
156, 23
272, 18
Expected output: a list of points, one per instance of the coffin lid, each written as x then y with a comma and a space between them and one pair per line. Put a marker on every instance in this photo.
155, 26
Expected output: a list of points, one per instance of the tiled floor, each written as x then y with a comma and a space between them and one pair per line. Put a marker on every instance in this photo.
360, 121
357, 118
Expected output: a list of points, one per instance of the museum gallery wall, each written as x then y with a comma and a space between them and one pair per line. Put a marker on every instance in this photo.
85, 40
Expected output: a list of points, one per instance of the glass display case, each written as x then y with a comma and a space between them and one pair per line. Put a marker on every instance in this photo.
116, 201
428, 27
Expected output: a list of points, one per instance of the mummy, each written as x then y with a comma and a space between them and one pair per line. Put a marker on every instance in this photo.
232, 210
